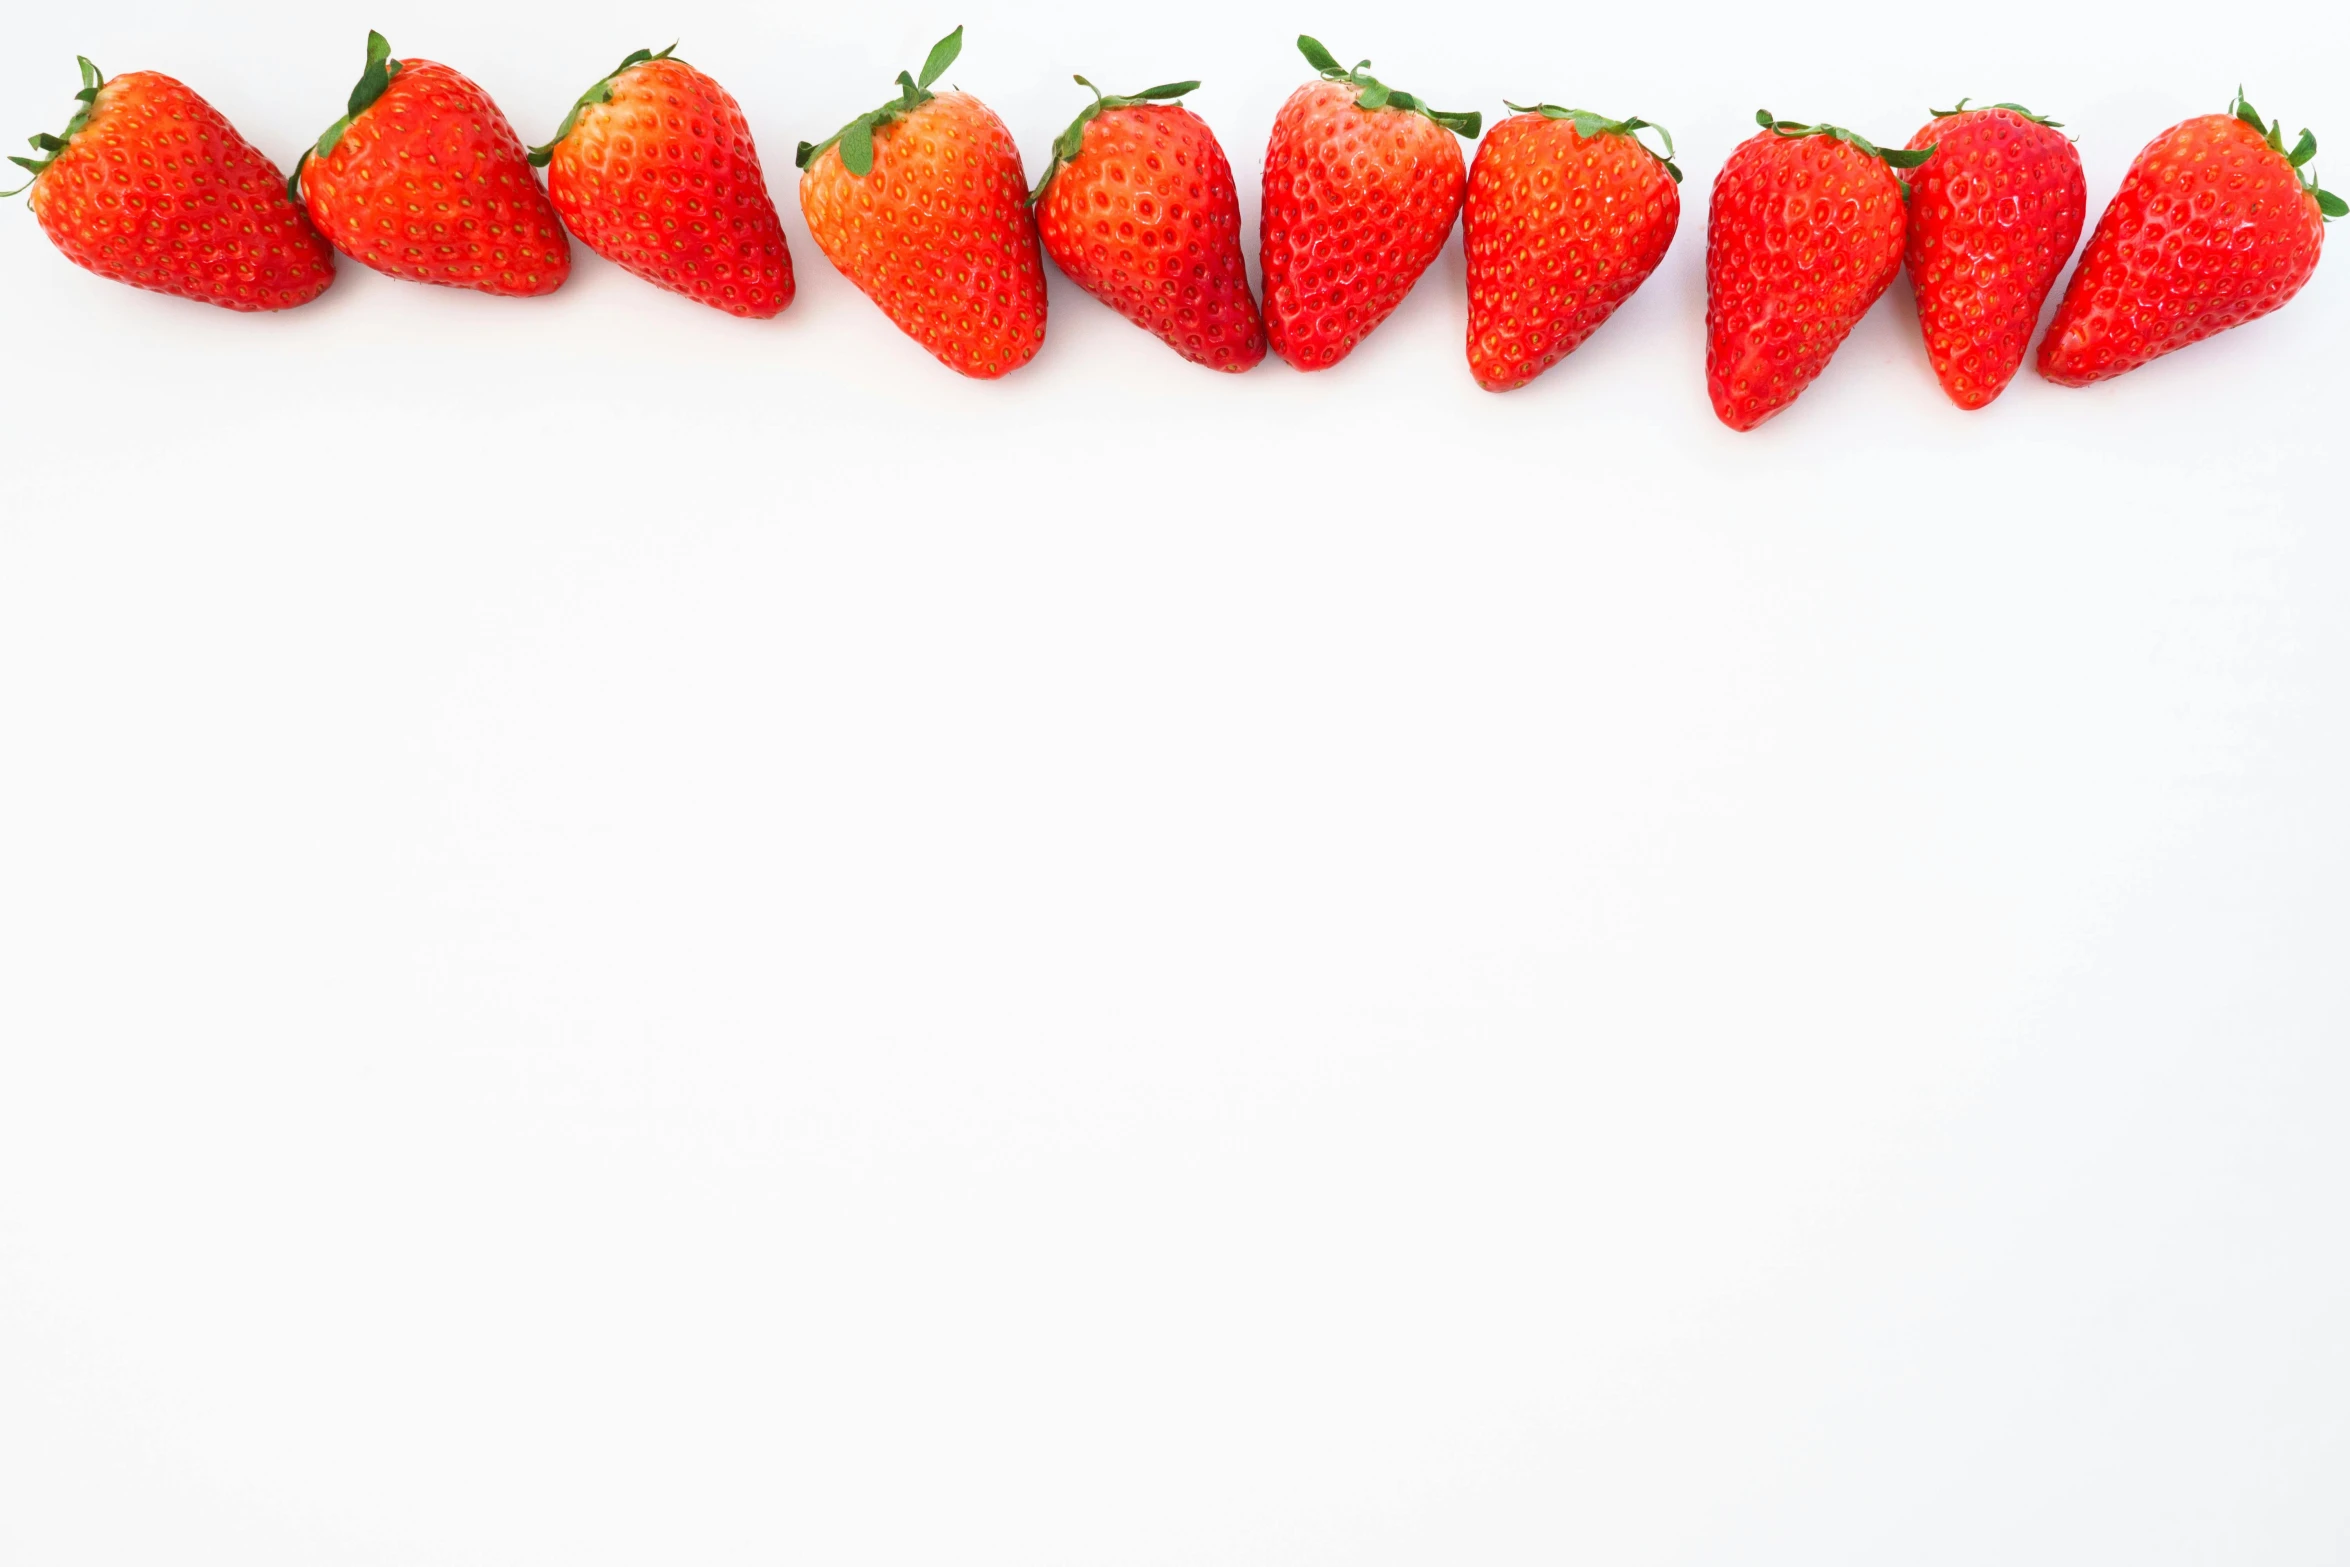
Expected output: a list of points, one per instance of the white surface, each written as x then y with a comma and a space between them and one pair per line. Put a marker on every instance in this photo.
630, 938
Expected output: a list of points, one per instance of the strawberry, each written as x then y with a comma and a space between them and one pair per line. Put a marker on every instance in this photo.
1994, 215
1568, 215
922, 203
654, 170
1805, 236
2215, 225
1140, 211
1362, 186
149, 186
424, 179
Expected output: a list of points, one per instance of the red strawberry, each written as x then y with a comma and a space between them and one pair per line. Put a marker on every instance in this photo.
149, 186
654, 171
1362, 185
1805, 236
1568, 215
424, 179
1140, 211
2215, 225
1994, 215
922, 203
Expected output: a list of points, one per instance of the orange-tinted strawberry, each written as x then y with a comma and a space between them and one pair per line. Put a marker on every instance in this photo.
1568, 215
1362, 187
150, 186
654, 170
1140, 211
2215, 225
424, 179
1805, 236
922, 203
1994, 215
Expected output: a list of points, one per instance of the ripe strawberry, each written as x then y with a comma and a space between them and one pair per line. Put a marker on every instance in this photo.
2215, 225
922, 203
1568, 215
654, 170
1805, 236
424, 179
204, 216
1994, 215
1362, 185
1140, 211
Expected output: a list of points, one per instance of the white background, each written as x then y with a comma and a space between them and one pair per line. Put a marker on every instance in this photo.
627, 937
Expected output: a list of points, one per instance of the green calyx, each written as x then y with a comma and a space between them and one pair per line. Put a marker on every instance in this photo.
600, 93
855, 139
2273, 132
1376, 94
1588, 124
1072, 141
50, 146
377, 76
2017, 108
1894, 158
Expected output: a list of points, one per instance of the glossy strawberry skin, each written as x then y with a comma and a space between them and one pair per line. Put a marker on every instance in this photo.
159, 191
1146, 218
662, 179
1994, 215
431, 184
1561, 230
1357, 204
1805, 236
939, 235
2211, 229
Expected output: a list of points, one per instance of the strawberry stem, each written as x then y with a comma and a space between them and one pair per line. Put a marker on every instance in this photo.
1894, 158
855, 139
2036, 119
92, 80
1377, 95
1588, 125
1072, 141
2273, 132
373, 79
598, 94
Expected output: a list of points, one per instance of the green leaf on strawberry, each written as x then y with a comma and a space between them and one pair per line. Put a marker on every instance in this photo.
2036, 119
2273, 132
855, 139
1377, 95
1589, 124
373, 79
1070, 142
92, 80
598, 94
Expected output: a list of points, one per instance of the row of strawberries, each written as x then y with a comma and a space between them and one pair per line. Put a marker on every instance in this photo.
924, 204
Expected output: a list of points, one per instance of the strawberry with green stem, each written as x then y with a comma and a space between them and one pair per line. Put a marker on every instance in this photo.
423, 178
1362, 187
150, 185
923, 204
2216, 224
654, 170
1139, 209
1806, 234
1994, 215
1569, 212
